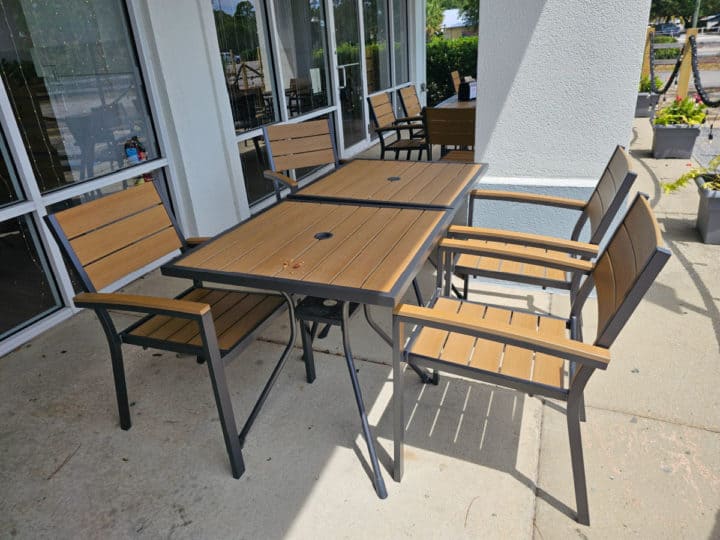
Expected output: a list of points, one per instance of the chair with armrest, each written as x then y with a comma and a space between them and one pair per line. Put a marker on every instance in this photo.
450, 128
386, 124
105, 240
410, 104
479, 251
532, 352
298, 145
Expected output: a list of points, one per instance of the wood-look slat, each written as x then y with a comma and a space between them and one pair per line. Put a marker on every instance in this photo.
594, 211
345, 255
445, 126
622, 256
119, 234
464, 156
430, 341
606, 189
243, 327
467, 263
218, 307
280, 132
287, 259
488, 354
225, 324
619, 166
176, 324
301, 145
643, 231
455, 76
91, 215
549, 369
265, 225
322, 256
309, 159
459, 347
397, 260
151, 325
411, 101
375, 184
117, 265
604, 279
517, 361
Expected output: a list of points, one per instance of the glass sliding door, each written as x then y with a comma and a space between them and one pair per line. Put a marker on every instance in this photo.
350, 75
400, 37
377, 53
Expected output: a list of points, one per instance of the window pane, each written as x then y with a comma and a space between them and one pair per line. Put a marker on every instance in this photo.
253, 157
72, 75
9, 185
27, 290
303, 54
401, 41
246, 63
377, 55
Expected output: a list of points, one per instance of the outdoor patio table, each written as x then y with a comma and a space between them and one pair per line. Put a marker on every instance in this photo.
350, 253
418, 184
453, 103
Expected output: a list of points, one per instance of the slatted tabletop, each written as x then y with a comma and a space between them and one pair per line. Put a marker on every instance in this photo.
396, 183
370, 257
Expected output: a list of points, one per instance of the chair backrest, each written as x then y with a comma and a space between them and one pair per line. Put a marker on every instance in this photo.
608, 196
625, 270
306, 144
381, 110
115, 235
410, 102
449, 127
455, 76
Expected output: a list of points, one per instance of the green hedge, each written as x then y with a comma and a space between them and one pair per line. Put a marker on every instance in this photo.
666, 54
444, 56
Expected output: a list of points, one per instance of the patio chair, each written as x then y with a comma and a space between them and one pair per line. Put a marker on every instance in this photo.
105, 240
386, 124
410, 103
295, 146
450, 128
489, 252
456, 80
530, 351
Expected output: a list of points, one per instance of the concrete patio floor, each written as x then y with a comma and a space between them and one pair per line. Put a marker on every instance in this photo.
482, 462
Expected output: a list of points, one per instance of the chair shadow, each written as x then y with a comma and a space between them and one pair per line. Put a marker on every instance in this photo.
466, 420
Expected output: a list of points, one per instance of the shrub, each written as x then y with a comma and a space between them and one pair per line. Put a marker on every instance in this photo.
666, 54
645, 84
444, 56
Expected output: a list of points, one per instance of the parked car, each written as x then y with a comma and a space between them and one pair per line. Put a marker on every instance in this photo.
668, 29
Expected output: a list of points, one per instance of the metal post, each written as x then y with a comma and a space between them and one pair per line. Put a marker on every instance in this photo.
397, 397
696, 13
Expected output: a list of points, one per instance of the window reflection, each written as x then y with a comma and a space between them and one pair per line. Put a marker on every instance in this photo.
253, 156
26, 287
400, 31
74, 85
377, 55
303, 54
246, 64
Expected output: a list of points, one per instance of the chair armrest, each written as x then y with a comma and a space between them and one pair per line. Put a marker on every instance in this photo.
513, 237
531, 198
408, 119
143, 304
283, 179
512, 253
397, 128
196, 240
584, 353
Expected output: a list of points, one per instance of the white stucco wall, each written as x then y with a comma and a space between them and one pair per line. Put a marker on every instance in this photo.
198, 132
557, 84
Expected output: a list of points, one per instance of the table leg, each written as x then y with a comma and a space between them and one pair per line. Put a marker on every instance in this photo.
398, 405
378, 479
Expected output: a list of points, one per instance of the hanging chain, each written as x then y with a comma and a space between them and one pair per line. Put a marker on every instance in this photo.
676, 69
696, 74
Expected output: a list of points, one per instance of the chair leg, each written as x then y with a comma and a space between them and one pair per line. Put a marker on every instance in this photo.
397, 155
408, 154
466, 286
581, 412
382, 152
118, 368
199, 359
225, 412
576, 457
307, 352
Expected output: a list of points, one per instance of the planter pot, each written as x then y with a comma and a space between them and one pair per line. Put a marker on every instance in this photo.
674, 141
645, 106
708, 218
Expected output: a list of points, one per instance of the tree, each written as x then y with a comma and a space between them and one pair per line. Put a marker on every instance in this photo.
471, 12
684, 9
433, 17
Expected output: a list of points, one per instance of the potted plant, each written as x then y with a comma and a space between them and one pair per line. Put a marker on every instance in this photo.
646, 100
707, 180
676, 127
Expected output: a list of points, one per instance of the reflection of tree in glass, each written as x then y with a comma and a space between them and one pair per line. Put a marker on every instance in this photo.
238, 33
